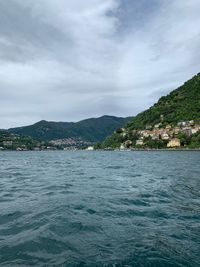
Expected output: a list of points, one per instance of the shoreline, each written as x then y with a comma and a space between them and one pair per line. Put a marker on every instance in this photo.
109, 150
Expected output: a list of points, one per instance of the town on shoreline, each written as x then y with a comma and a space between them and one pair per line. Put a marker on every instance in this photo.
157, 137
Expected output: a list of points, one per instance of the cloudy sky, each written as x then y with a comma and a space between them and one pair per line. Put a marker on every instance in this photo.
67, 60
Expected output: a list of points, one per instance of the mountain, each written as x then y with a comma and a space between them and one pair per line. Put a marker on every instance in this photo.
181, 105
92, 130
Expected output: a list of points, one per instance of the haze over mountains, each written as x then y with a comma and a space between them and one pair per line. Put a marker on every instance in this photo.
92, 130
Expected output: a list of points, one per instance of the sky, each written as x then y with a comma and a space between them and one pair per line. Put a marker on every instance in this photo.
67, 60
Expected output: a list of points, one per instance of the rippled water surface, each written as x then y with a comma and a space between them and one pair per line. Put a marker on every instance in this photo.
100, 209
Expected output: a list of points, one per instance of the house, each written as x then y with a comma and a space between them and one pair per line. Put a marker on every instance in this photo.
156, 126
175, 142
146, 134
7, 143
194, 130
139, 142
155, 137
148, 127
122, 147
182, 123
90, 148
165, 136
168, 127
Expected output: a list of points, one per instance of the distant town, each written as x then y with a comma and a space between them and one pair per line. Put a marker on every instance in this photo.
9, 141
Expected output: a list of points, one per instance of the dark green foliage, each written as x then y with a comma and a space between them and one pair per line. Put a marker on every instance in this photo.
195, 140
43, 130
93, 130
113, 141
181, 104
155, 144
184, 139
24, 142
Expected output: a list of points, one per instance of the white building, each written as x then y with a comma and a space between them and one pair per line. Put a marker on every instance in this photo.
90, 148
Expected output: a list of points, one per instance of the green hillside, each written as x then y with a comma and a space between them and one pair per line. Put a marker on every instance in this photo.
10, 141
182, 104
92, 130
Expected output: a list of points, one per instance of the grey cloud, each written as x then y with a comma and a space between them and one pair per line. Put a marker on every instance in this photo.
68, 60
25, 36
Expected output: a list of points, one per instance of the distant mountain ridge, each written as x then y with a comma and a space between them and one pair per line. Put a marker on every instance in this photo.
92, 130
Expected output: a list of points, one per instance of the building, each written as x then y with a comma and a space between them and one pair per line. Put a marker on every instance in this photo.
148, 127
175, 142
146, 133
164, 136
90, 148
156, 126
7, 143
122, 147
155, 136
168, 127
139, 142
182, 123
194, 130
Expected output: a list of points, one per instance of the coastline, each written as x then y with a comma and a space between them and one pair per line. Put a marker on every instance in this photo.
108, 150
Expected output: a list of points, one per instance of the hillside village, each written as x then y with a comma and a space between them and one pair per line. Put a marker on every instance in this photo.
70, 143
168, 135
172, 122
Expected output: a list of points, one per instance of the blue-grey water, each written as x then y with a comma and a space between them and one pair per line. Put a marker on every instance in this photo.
100, 209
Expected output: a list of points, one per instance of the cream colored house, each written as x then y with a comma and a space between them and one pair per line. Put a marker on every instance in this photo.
175, 142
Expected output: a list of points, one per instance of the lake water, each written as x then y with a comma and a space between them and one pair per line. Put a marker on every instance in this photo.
100, 209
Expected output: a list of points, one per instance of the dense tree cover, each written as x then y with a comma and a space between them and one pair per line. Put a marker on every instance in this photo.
182, 104
195, 141
92, 130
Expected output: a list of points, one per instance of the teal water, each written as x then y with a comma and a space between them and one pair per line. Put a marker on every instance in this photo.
100, 209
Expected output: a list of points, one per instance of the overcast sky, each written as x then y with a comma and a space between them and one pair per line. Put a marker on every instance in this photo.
66, 60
